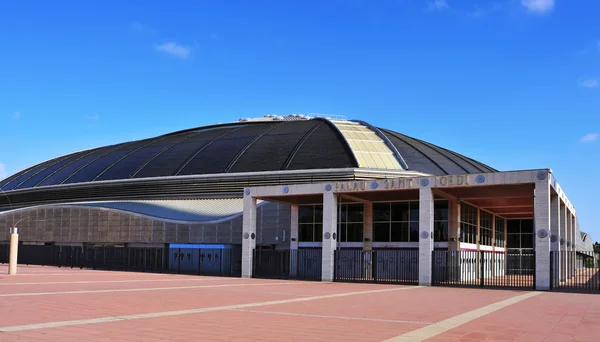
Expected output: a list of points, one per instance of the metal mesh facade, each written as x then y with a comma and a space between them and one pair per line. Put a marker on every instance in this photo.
74, 224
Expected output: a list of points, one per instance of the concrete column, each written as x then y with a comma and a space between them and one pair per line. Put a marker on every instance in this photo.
368, 226
248, 235
368, 239
555, 237
14, 251
330, 237
478, 243
493, 261
573, 258
505, 256
453, 225
294, 239
426, 234
564, 226
542, 234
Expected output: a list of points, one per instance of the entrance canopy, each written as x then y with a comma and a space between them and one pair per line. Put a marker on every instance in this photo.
506, 194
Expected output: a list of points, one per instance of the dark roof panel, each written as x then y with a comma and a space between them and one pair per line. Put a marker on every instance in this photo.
321, 151
246, 146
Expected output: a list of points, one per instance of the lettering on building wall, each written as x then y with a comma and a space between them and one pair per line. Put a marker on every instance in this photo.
402, 183
351, 186
398, 183
451, 180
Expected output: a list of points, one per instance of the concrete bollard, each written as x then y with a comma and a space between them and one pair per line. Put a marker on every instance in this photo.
14, 249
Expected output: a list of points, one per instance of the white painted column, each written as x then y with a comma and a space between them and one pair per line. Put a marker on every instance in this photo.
493, 260
555, 238
564, 257
368, 239
453, 225
573, 257
294, 239
248, 235
454, 263
368, 226
329, 235
542, 234
425, 233
478, 241
13, 251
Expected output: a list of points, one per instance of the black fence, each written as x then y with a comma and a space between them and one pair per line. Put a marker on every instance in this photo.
302, 263
574, 271
125, 258
4, 253
223, 262
94, 257
392, 266
484, 269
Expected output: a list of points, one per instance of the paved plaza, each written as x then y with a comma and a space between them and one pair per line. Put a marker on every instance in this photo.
58, 304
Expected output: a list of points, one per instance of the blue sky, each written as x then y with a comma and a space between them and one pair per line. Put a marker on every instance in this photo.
513, 83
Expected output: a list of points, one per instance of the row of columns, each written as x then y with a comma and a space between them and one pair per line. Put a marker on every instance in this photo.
562, 239
552, 222
555, 231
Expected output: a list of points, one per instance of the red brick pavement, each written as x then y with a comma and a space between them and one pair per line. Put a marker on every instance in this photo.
549, 317
356, 317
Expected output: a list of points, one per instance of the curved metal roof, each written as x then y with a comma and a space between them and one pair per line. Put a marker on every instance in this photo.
249, 146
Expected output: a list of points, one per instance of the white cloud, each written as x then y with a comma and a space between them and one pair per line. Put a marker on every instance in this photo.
16, 115
94, 117
590, 137
437, 5
590, 83
3, 173
174, 49
538, 6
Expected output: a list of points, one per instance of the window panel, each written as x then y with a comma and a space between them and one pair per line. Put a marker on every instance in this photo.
441, 231
306, 233
414, 231
381, 212
381, 232
440, 210
400, 211
400, 232
414, 211
306, 214
354, 232
318, 236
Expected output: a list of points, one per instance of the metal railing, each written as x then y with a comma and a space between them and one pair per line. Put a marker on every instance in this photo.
574, 271
302, 263
392, 266
484, 269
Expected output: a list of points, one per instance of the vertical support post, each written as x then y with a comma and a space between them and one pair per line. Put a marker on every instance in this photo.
368, 239
562, 242
453, 225
248, 234
493, 259
368, 226
14, 251
329, 236
294, 220
505, 258
573, 239
542, 233
454, 264
426, 232
478, 246
555, 236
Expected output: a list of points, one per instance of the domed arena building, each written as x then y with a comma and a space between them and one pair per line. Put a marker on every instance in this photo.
295, 196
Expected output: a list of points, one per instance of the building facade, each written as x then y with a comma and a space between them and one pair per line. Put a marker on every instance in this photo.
298, 183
